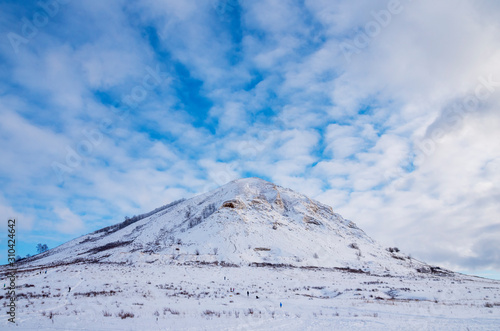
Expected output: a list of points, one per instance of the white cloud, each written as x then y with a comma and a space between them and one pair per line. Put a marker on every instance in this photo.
24, 221
70, 223
435, 211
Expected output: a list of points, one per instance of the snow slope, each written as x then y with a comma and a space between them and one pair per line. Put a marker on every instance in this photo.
246, 221
189, 266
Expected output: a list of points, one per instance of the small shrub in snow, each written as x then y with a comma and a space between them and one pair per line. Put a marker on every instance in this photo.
354, 246
95, 293
194, 221
211, 313
173, 312
188, 213
123, 315
208, 210
106, 313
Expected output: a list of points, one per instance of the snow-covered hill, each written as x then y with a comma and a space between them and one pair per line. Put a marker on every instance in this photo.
248, 256
247, 221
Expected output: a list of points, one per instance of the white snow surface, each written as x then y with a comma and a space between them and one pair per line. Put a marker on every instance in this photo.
174, 270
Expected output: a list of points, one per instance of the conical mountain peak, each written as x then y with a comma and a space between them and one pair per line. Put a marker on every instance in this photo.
247, 221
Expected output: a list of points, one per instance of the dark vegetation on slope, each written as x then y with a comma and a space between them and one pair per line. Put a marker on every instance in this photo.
132, 220
108, 230
106, 247
194, 220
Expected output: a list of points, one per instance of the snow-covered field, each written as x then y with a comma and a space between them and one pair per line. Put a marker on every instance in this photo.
199, 297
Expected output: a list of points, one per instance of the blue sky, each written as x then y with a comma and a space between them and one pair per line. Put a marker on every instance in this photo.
385, 110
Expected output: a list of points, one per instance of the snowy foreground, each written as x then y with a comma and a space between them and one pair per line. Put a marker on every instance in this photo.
152, 296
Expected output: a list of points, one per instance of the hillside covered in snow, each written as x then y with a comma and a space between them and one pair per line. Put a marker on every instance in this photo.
248, 221
249, 255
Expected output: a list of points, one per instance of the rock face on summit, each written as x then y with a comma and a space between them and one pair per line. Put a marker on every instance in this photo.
247, 221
